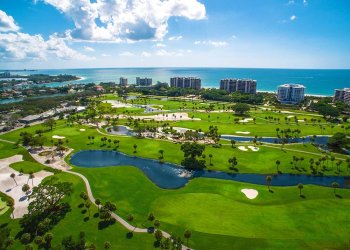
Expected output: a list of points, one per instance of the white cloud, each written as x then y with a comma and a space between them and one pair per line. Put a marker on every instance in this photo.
160, 45
291, 2
105, 55
124, 20
88, 49
21, 46
305, 2
293, 18
175, 38
7, 23
146, 54
126, 53
215, 44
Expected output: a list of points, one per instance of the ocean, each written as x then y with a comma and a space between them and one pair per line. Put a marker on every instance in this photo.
317, 82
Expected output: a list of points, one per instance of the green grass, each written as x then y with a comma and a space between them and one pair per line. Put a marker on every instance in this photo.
75, 221
7, 150
27, 166
220, 215
264, 160
3, 206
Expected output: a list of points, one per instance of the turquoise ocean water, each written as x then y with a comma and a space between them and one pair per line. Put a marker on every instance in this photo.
317, 82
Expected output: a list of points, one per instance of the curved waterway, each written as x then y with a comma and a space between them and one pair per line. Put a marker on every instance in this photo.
171, 176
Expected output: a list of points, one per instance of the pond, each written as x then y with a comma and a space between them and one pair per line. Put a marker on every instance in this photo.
120, 130
171, 176
320, 140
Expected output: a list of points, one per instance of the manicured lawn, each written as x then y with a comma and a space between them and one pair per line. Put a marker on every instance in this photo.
77, 221
7, 150
221, 216
262, 161
27, 165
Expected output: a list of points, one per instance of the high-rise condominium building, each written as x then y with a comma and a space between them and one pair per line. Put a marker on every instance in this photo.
238, 85
342, 95
123, 81
143, 81
186, 82
290, 93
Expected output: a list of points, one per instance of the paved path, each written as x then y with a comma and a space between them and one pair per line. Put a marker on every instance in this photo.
13, 187
114, 215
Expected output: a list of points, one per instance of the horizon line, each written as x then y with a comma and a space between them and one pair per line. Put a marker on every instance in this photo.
165, 67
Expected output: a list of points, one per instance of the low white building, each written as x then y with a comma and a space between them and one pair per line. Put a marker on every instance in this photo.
290, 93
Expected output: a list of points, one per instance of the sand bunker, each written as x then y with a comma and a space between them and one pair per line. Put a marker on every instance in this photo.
82, 130
246, 120
250, 193
243, 132
58, 137
290, 116
243, 148
118, 104
252, 148
9, 187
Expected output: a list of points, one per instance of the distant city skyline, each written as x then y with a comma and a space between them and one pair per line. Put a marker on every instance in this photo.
300, 34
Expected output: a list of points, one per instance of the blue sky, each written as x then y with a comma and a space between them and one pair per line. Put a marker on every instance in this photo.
175, 33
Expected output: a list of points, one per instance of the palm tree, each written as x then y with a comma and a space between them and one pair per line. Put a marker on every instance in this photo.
339, 164
13, 176
31, 176
268, 181
156, 223
116, 143
300, 186
135, 147
107, 245
161, 151
233, 162
88, 205
187, 235
233, 142
48, 238
10, 203
278, 162
210, 157
335, 185
25, 188
98, 203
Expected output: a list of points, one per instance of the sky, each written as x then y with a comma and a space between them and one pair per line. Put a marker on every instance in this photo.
44, 34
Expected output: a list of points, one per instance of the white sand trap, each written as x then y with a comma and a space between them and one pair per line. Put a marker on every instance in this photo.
247, 120
58, 137
286, 112
255, 149
290, 116
251, 194
9, 187
243, 148
82, 130
243, 132
118, 104
301, 121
